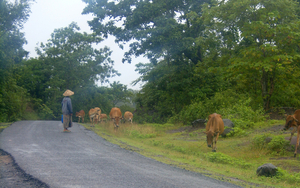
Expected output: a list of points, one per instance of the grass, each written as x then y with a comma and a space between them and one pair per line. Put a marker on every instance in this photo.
236, 160
3, 126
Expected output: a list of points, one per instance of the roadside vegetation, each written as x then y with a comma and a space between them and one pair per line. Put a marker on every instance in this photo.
237, 157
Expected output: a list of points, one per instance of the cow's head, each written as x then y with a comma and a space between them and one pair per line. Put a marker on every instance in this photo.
117, 121
210, 137
290, 122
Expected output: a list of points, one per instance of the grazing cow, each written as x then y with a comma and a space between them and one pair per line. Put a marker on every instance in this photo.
214, 127
115, 114
292, 121
103, 117
128, 116
81, 115
98, 114
93, 115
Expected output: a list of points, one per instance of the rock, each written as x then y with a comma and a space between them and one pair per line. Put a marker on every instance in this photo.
268, 139
199, 123
226, 131
228, 123
267, 170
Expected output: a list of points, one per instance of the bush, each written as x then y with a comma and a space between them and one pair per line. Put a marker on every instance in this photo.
259, 141
278, 145
275, 145
229, 104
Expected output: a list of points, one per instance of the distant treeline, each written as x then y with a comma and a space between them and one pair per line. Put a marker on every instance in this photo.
204, 56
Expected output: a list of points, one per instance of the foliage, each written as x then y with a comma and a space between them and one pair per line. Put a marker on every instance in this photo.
258, 41
13, 100
259, 141
12, 97
226, 159
283, 175
231, 105
118, 93
278, 145
275, 145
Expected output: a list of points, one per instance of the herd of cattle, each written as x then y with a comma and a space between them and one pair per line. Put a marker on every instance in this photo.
214, 126
96, 116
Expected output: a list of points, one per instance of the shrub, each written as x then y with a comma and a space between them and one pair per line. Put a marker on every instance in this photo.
259, 141
229, 104
278, 145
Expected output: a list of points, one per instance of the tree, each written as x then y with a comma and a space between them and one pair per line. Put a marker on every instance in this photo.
118, 93
12, 97
72, 62
258, 41
156, 29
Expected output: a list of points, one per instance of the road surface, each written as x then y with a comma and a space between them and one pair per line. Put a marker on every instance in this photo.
83, 159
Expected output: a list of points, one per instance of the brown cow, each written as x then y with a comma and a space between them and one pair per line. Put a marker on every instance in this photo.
81, 115
115, 114
103, 117
93, 114
128, 116
292, 121
98, 114
214, 127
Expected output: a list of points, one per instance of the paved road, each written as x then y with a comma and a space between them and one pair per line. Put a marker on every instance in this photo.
83, 159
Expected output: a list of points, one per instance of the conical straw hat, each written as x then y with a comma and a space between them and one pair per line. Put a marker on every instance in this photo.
68, 93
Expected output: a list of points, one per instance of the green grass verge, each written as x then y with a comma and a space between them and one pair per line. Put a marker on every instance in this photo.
236, 160
3, 126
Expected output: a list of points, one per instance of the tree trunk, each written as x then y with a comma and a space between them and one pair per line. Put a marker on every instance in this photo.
267, 88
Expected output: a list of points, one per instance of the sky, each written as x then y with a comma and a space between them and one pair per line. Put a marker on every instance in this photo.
47, 15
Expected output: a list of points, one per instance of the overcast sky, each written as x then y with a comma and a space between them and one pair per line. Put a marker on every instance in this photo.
47, 15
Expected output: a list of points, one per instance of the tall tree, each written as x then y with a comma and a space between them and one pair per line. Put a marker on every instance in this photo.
156, 29
118, 93
12, 97
257, 40
73, 62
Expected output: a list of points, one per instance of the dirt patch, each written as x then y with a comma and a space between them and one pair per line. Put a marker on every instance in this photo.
11, 175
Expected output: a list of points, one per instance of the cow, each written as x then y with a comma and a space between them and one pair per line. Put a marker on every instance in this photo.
93, 113
98, 114
292, 121
128, 116
214, 127
116, 115
103, 117
81, 115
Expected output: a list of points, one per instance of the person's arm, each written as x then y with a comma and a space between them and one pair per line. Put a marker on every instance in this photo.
70, 108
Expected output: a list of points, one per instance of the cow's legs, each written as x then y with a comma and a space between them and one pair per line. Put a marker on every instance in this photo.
297, 143
214, 146
292, 133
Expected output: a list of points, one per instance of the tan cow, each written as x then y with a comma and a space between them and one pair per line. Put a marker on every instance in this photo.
115, 114
93, 115
292, 121
214, 127
81, 115
103, 117
99, 112
128, 116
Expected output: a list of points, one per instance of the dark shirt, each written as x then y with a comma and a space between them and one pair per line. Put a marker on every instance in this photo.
67, 106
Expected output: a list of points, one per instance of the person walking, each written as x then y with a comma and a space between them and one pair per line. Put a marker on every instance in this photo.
67, 110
